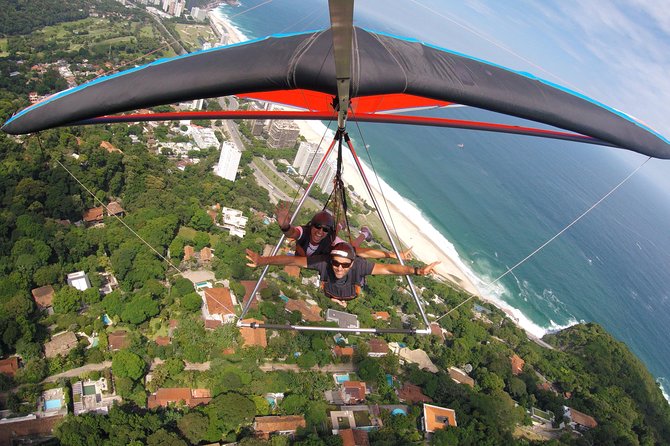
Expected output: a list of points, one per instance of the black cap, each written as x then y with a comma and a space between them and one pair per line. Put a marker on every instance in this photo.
325, 219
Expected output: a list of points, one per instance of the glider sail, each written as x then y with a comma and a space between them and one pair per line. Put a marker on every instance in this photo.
387, 73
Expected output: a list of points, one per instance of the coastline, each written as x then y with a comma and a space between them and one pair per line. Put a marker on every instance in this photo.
427, 243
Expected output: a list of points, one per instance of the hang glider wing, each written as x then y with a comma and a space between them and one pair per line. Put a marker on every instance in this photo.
388, 74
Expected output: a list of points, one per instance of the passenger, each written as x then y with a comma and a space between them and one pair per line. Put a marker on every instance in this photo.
341, 272
319, 235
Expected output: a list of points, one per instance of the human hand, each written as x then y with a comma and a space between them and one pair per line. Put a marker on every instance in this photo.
406, 254
342, 303
254, 258
283, 214
425, 270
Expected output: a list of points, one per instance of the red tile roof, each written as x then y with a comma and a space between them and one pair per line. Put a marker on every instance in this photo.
517, 364
436, 417
174, 395
343, 351
264, 426
212, 324
28, 428
94, 214
354, 437
212, 213
188, 252
219, 301
43, 296
582, 419
206, 254
383, 315
114, 208
118, 340
9, 366
248, 288
436, 330
378, 346
311, 313
109, 147
162, 340
292, 271
413, 394
253, 336
355, 390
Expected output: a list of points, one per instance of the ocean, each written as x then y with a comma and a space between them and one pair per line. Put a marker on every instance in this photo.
496, 198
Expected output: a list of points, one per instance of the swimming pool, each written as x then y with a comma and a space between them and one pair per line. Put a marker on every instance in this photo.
52, 405
342, 378
106, 319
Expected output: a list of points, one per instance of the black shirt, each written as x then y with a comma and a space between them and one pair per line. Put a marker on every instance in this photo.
348, 286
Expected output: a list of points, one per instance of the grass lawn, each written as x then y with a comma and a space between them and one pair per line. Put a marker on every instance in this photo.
3, 48
193, 35
187, 233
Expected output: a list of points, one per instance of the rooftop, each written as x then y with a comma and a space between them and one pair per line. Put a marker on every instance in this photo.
219, 301
253, 336
43, 296
436, 417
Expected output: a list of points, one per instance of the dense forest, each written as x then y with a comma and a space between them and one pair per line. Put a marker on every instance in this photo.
25, 16
48, 181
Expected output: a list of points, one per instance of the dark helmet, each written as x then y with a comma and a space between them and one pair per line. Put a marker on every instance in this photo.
343, 249
323, 219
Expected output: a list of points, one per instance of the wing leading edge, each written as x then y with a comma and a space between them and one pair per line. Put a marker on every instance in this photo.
387, 73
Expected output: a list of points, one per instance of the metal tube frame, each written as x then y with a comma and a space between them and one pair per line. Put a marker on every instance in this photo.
283, 237
338, 135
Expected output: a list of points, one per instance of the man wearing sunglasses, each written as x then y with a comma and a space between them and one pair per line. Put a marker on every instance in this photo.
319, 236
341, 271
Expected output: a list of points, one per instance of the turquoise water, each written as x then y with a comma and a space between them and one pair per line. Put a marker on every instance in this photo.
342, 378
52, 405
497, 198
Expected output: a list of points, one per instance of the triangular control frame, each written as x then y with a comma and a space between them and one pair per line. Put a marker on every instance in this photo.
340, 136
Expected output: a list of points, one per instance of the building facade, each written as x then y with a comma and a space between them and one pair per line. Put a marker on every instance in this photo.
229, 161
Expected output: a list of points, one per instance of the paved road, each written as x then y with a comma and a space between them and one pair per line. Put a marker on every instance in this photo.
79, 371
288, 180
276, 194
330, 368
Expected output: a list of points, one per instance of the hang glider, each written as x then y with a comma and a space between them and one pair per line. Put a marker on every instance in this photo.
388, 74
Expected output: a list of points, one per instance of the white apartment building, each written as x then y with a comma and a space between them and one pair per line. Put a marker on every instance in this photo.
229, 161
308, 158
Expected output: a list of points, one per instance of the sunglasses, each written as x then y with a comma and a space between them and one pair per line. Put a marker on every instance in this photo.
342, 264
324, 228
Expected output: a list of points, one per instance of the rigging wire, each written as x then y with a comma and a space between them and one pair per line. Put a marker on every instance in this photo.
558, 234
96, 199
309, 166
379, 186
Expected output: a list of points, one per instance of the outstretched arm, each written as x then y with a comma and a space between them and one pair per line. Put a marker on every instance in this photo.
401, 270
371, 253
256, 259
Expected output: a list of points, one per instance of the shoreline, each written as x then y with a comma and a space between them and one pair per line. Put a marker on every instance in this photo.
427, 248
